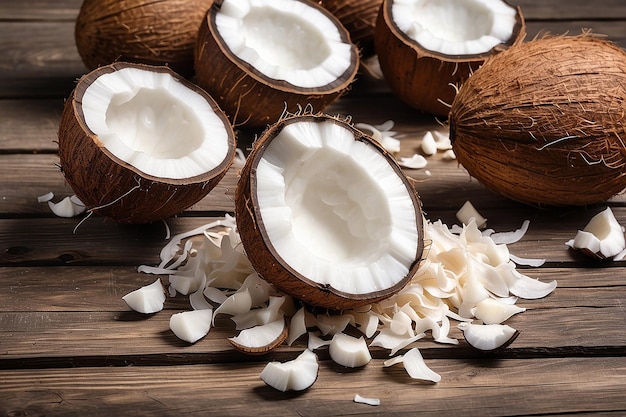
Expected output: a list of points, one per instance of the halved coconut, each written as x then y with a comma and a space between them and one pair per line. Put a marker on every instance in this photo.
262, 58
139, 143
145, 31
326, 214
427, 49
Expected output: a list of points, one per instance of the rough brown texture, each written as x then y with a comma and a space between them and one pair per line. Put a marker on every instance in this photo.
424, 79
544, 122
250, 98
156, 32
268, 263
115, 189
359, 18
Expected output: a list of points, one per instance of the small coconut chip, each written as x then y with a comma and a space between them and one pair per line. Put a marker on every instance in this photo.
191, 326
261, 339
68, 207
147, 299
415, 366
414, 162
468, 212
44, 198
295, 375
366, 400
383, 134
488, 336
349, 351
602, 238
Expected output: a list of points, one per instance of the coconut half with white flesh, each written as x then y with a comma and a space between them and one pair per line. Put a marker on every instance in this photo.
261, 58
427, 49
327, 215
139, 143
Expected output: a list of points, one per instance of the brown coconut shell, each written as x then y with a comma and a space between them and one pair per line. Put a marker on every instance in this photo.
268, 262
249, 97
115, 189
359, 18
144, 31
544, 123
424, 79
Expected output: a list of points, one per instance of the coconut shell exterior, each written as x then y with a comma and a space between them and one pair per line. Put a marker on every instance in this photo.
265, 259
249, 97
544, 123
115, 189
359, 18
143, 31
423, 79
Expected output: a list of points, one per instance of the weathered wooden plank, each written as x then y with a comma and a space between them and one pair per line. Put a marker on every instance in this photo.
474, 388
29, 126
39, 10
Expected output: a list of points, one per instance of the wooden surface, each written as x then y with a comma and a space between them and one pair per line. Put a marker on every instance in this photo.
70, 346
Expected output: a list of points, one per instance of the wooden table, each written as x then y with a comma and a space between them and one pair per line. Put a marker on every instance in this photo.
69, 345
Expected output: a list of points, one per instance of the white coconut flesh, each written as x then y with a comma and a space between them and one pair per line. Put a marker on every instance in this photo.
455, 27
285, 40
153, 122
335, 210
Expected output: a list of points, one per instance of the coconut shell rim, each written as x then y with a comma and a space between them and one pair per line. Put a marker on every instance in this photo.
354, 299
336, 86
518, 34
86, 80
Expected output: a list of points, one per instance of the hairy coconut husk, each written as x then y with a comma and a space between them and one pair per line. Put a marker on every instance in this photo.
143, 31
249, 97
269, 264
544, 123
115, 189
424, 79
359, 18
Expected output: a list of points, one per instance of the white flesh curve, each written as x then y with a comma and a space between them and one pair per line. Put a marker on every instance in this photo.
335, 210
284, 40
455, 27
155, 123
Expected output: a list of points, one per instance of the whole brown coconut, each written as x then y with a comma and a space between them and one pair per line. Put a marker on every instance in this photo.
544, 123
326, 215
359, 18
262, 59
144, 31
455, 38
162, 142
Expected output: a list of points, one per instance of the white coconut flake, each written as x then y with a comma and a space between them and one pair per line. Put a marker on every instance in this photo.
509, 238
527, 261
44, 198
415, 366
316, 342
148, 299
467, 212
349, 351
602, 238
383, 135
295, 375
365, 400
428, 144
414, 162
191, 326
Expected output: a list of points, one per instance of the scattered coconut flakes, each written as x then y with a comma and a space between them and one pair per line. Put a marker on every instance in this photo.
383, 135
602, 238
449, 155
527, 261
45, 197
191, 326
297, 326
468, 212
365, 400
442, 139
66, 208
509, 238
316, 342
414, 162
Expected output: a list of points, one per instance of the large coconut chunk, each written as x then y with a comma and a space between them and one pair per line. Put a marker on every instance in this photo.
139, 143
326, 215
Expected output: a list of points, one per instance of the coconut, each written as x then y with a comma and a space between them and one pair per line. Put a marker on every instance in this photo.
140, 143
544, 123
259, 59
144, 31
359, 18
427, 49
326, 214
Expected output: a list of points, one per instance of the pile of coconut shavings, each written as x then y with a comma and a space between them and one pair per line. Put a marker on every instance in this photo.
468, 275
